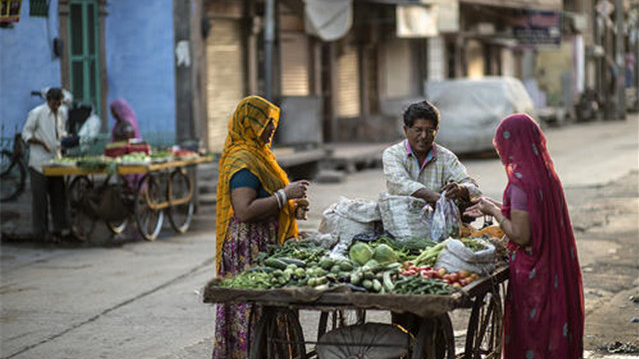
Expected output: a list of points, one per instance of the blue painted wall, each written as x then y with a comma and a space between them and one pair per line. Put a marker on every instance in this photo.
26, 63
140, 66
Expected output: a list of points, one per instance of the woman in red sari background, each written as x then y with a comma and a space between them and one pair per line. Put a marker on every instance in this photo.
544, 316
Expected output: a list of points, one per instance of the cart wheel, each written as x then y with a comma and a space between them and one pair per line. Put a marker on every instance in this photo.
149, 221
331, 320
181, 215
435, 339
117, 227
278, 335
82, 223
485, 329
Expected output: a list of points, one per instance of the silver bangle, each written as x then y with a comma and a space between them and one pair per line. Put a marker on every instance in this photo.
283, 194
278, 199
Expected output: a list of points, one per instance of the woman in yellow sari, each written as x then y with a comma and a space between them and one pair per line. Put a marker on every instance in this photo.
256, 206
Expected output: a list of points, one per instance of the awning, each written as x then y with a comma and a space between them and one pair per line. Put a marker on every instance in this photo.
555, 5
328, 19
416, 21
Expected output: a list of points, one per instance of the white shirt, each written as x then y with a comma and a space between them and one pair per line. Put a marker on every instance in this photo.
47, 127
90, 127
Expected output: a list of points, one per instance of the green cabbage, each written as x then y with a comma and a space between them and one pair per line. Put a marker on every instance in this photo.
360, 253
384, 254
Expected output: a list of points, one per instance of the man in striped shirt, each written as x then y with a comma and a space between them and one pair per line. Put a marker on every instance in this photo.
419, 167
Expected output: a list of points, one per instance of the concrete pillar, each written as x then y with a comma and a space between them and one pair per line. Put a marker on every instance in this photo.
188, 48
619, 59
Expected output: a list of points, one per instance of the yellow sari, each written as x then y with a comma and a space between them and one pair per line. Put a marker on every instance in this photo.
244, 149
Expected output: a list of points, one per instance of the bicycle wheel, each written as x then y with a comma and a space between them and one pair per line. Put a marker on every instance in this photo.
485, 327
278, 335
13, 176
435, 339
180, 215
117, 227
149, 220
82, 223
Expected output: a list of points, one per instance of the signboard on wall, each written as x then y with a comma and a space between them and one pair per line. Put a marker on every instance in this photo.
536, 27
416, 21
10, 11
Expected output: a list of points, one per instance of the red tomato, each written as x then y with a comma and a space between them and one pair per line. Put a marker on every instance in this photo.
463, 273
453, 277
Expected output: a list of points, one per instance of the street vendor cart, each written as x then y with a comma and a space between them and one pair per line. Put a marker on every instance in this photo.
435, 338
118, 193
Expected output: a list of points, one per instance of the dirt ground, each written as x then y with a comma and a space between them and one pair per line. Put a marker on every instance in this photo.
605, 221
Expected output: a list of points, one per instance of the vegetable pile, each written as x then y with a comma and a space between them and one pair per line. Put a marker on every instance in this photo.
376, 267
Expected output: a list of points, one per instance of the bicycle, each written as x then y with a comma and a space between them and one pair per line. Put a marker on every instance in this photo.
13, 170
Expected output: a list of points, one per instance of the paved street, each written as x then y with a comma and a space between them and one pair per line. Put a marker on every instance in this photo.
134, 299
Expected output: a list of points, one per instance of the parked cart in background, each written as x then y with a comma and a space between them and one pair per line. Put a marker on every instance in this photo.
120, 193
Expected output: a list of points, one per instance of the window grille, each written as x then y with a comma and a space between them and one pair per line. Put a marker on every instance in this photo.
39, 8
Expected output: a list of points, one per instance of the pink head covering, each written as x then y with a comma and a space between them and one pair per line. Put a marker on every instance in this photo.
544, 311
123, 112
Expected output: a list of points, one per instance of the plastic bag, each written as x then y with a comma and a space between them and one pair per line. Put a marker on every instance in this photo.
456, 256
444, 222
106, 203
347, 218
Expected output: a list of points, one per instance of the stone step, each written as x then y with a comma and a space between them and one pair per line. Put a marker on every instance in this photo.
208, 199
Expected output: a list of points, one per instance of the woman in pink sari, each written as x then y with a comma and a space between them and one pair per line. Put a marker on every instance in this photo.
126, 124
544, 316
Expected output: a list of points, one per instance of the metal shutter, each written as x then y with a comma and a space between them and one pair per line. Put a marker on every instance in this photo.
399, 69
225, 78
295, 64
348, 83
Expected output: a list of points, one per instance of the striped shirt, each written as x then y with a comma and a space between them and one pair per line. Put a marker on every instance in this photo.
405, 176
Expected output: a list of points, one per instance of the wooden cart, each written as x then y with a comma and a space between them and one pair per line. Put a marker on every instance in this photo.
147, 190
435, 338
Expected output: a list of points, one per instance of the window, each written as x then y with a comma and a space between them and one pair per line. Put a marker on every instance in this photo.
83, 27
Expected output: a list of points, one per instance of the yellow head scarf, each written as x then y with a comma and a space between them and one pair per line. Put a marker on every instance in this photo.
244, 149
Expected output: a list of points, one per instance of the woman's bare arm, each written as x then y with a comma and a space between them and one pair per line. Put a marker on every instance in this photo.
249, 208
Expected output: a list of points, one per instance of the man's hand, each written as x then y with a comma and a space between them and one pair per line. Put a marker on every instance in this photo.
456, 191
427, 195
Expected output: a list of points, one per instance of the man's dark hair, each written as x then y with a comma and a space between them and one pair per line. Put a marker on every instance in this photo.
421, 110
55, 93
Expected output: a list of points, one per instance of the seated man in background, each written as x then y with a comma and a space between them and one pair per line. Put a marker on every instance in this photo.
419, 167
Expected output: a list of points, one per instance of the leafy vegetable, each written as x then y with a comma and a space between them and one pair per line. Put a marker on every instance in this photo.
384, 254
360, 253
